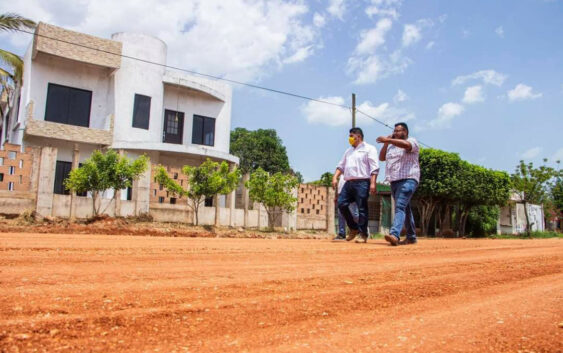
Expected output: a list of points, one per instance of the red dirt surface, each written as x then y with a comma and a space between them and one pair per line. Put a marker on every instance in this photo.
95, 293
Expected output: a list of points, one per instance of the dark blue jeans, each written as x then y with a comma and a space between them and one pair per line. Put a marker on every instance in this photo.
402, 193
355, 191
342, 220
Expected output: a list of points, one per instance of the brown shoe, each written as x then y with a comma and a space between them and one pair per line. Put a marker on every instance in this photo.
391, 239
408, 241
352, 234
362, 239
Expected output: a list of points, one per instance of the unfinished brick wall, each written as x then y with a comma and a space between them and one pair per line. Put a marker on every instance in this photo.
311, 206
158, 192
15, 168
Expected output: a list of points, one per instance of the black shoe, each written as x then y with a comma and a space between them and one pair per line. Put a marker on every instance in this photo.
408, 241
339, 238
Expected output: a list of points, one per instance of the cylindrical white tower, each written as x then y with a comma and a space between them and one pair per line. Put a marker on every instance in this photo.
138, 77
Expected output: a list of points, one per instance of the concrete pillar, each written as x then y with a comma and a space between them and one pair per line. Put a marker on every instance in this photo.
75, 159
330, 226
246, 199
217, 210
46, 182
231, 205
141, 192
117, 211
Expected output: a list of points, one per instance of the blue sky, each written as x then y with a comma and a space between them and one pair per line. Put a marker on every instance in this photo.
480, 78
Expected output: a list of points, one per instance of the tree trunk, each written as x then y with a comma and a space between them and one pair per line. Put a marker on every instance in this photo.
94, 199
527, 218
426, 208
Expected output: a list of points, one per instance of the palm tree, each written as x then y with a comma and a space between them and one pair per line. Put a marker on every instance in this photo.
13, 22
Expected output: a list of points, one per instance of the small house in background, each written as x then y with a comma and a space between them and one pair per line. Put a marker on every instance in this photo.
512, 219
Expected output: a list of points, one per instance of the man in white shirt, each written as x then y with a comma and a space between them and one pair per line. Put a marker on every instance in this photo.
341, 236
402, 169
360, 167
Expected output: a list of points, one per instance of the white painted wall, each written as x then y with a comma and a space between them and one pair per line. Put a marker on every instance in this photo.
49, 69
137, 77
180, 99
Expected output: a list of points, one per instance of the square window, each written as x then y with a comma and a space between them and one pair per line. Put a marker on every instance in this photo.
172, 200
141, 111
203, 131
1, 160
11, 155
68, 105
161, 199
1, 176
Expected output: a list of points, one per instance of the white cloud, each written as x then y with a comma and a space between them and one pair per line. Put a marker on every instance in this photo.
473, 94
411, 35
412, 32
375, 37
500, 32
400, 97
531, 153
522, 92
337, 8
430, 45
487, 76
367, 64
201, 35
446, 114
384, 8
320, 113
300, 55
319, 20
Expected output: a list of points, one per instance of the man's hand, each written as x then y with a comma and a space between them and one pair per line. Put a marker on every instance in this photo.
334, 183
372, 189
383, 139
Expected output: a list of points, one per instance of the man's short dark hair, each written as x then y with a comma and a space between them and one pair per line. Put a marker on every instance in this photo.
357, 131
403, 125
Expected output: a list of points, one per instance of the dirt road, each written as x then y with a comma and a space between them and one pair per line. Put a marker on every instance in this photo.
75, 293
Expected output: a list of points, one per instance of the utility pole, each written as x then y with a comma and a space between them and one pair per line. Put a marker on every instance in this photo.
353, 109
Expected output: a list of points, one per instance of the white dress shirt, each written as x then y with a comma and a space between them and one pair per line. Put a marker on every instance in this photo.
360, 162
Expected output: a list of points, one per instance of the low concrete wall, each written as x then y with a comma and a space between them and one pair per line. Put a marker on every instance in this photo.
304, 222
16, 202
171, 213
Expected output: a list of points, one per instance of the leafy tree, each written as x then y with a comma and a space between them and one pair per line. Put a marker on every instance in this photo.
482, 220
325, 180
259, 149
480, 187
13, 22
208, 180
273, 191
439, 182
104, 171
11, 65
299, 177
533, 184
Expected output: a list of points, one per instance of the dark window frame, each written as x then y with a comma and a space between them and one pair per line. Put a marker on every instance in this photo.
141, 122
199, 132
64, 114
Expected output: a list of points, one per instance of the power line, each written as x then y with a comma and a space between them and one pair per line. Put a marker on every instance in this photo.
295, 95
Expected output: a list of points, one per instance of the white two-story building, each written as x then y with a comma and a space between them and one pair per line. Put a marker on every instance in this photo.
82, 93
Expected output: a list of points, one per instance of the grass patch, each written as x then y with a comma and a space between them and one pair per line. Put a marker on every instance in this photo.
533, 235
